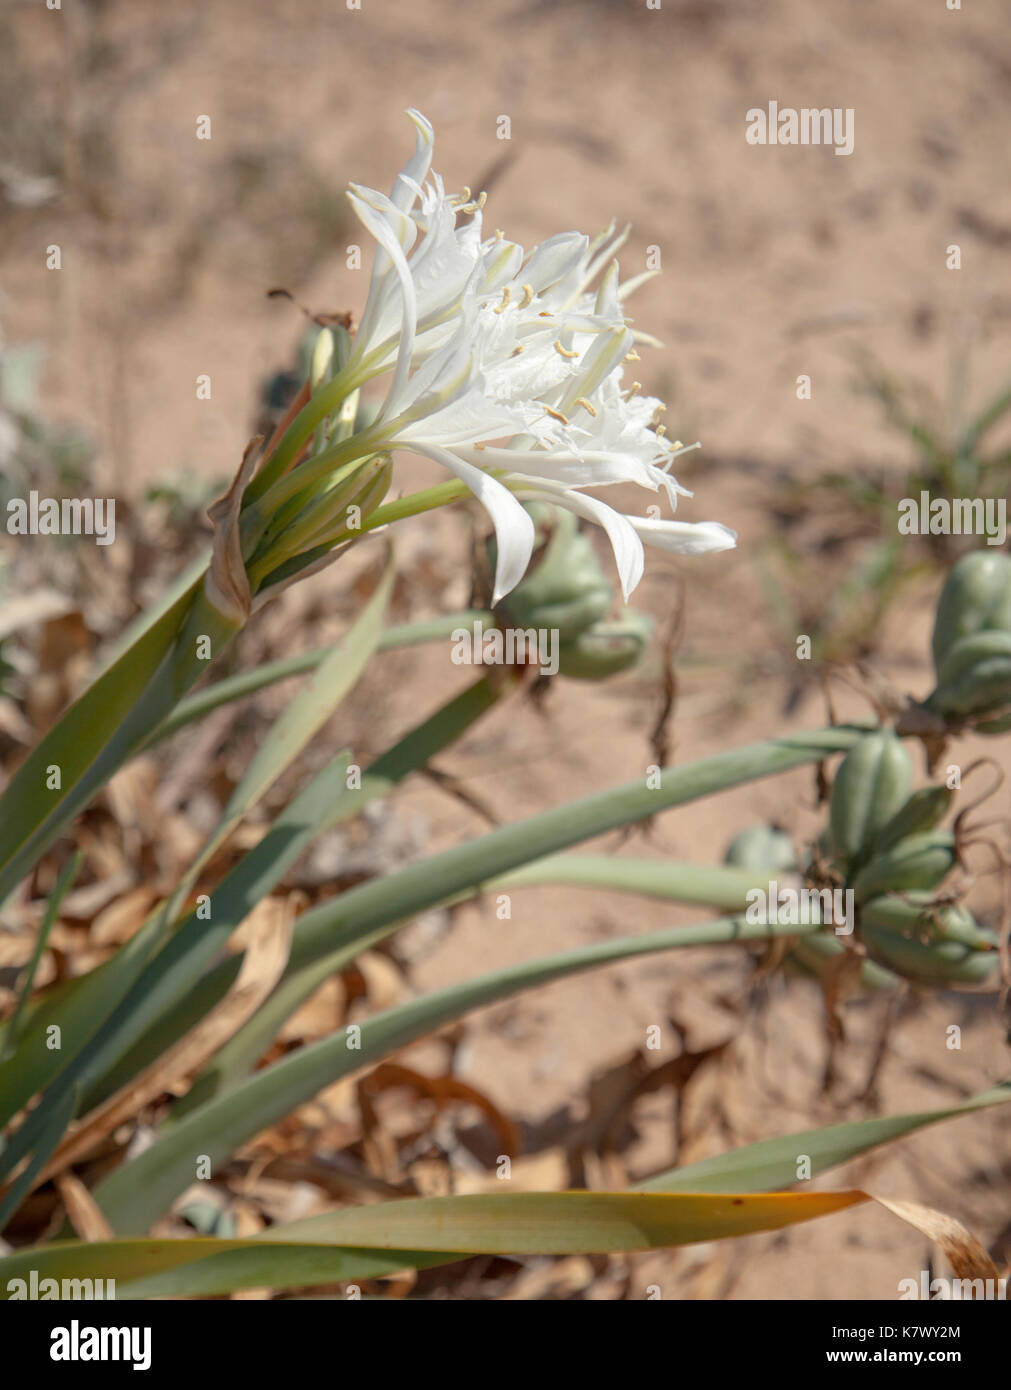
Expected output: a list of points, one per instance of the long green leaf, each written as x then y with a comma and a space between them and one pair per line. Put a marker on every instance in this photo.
372, 911
195, 999
327, 1247
773, 1163
56, 1119
303, 718
342, 927
241, 1052
101, 1023
723, 886
292, 731
138, 1192
101, 730
13, 1027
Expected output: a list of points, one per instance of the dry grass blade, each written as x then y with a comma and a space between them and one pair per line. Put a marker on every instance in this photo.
83, 1212
963, 1250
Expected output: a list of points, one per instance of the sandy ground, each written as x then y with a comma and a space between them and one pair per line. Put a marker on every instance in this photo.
776, 262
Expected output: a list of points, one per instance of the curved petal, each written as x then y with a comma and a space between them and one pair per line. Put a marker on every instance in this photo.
627, 547
514, 530
389, 242
685, 537
416, 169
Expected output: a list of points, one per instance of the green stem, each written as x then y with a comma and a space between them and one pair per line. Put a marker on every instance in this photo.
324, 403
416, 503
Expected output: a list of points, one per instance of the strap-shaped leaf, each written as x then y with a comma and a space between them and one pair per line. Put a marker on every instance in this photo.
350, 1243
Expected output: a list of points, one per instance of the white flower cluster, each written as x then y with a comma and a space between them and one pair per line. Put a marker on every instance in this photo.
508, 368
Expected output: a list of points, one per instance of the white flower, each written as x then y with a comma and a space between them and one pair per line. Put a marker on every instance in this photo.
508, 368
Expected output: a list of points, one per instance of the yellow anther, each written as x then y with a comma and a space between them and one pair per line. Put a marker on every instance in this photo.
475, 205
479, 446
661, 430
555, 414
505, 301
632, 356
528, 294
565, 352
545, 314
633, 390
581, 400
517, 350
678, 444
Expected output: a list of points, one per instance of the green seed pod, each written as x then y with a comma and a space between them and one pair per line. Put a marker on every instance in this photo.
870, 786
975, 675
968, 652
936, 962
567, 590
606, 648
816, 954
976, 596
924, 809
761, 847
920, 861
918, 916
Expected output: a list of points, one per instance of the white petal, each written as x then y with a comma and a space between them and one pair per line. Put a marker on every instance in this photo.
627, 547
514, 530
685, 537
387, 239
417, 166
553, 259
595, 468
